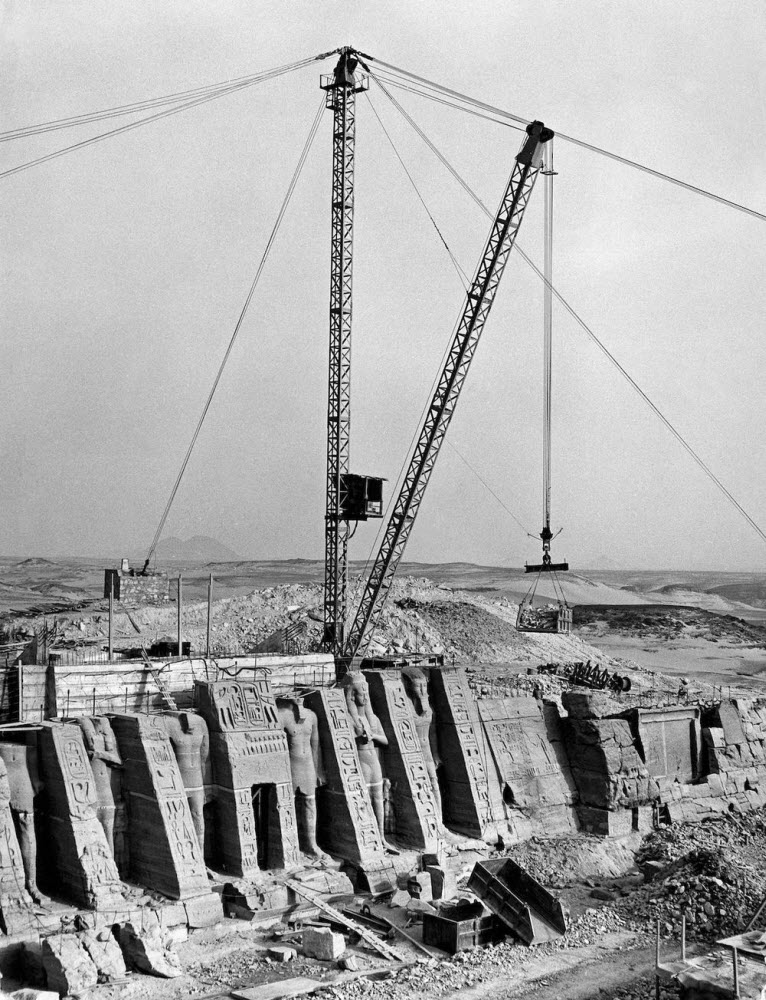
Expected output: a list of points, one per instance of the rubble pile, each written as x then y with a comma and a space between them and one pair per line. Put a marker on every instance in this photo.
419, 617
712, 873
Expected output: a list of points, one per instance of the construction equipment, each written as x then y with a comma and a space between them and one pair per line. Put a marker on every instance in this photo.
479, 299
349, 497
553, 617
382, 947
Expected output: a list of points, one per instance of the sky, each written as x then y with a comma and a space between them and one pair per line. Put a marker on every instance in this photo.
125, 266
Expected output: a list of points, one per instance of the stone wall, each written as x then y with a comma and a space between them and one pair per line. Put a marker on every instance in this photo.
536, 780
127, 686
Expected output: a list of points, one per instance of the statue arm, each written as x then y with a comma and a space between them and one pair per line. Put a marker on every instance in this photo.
434, 743
376, 727
207, 765
88, 734
316, 752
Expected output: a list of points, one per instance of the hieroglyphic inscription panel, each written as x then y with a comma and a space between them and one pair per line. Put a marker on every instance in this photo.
348, 822
416, 815
248, 749
83, 860
526, 761
233, 705
164, 851
470, 805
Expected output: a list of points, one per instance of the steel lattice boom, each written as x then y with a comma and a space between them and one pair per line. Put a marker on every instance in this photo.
341, 89
478, 303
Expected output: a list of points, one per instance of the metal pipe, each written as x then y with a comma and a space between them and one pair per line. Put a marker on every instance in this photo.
111, 616
209, 614
180, 603
735, 960
683, 938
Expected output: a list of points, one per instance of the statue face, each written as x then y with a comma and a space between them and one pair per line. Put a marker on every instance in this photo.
359, 689
416, 685
420, 689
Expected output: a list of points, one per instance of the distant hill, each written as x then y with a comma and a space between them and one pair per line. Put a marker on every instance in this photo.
198, 548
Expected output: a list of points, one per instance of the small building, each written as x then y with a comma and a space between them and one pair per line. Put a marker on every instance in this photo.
130, 587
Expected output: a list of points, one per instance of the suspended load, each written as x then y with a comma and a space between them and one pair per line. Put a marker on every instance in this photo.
544, 617
556, 616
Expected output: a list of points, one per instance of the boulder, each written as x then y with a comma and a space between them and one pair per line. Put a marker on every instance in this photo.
146, 952
105, 954
322, 943
68, 966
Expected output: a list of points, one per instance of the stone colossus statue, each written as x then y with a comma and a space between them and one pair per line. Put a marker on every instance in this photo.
369, 735
301, 728
106, 764
416, 687
191, 745
24, 781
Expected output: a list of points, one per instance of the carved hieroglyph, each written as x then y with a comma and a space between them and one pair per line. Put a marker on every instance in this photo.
16, 912
416, 822
346, 821
536, 786
472, 802
84, 862
250, 757
164, 851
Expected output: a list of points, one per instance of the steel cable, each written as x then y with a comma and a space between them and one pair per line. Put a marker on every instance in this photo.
509, 116
589, 332
269, 243
176, 109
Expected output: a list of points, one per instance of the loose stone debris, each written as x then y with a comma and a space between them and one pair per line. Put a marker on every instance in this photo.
414, 826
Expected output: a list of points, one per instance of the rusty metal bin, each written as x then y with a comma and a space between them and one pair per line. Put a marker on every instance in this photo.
520, 901
461, 927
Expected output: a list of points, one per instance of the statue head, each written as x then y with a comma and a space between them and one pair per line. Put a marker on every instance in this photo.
356, 688
416, 686
295, 704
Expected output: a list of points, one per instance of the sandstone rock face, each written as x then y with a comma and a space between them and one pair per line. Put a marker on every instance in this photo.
346, 821
416, 823
84, 861
606, 766
68, 966
105, 954
249, 749
532, 767
146, 952
164, 850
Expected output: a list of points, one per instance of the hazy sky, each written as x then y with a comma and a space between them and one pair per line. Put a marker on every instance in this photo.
125, 267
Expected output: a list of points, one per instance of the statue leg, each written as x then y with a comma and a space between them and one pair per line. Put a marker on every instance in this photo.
306, 814
121, 850
197, 805
106, 819
25, 828
376, 796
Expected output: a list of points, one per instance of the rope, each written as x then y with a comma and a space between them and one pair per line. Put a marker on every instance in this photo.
268, 75
283, 208
586, 329
508, 116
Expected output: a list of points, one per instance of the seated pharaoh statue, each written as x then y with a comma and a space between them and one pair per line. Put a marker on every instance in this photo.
369, 735
301, 728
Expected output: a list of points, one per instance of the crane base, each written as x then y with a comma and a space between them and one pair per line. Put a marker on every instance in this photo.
546, 568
